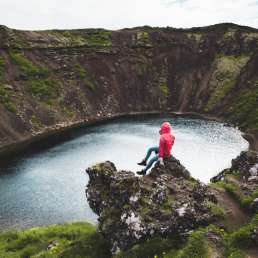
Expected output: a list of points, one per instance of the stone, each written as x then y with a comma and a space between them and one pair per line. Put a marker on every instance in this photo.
167, 202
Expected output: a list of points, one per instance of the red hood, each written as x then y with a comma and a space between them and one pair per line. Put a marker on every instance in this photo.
165, 128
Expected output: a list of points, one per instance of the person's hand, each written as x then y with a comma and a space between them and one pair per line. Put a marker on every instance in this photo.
161, 162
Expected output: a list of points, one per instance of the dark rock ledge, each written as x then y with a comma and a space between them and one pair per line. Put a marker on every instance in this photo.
167, 202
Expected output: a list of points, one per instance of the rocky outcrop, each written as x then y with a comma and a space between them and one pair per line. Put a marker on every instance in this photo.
241, 180
167, 202
51, 80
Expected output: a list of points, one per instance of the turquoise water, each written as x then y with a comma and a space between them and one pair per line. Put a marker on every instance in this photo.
48, 186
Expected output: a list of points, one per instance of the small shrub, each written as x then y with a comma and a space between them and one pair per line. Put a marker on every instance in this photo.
86, 77
196, 247
5, 99
44, 89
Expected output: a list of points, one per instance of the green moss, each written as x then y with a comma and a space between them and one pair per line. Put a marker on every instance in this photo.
164, 89
141, 39
5, 99
224, 77
2, 66
43, 89
87, 78
26, 66
69, 240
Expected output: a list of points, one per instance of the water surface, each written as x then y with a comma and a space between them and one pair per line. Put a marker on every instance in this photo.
48, 186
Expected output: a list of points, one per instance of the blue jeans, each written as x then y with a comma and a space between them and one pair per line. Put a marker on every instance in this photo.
154, 159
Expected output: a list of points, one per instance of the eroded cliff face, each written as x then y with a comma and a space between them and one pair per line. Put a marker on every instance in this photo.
53, 79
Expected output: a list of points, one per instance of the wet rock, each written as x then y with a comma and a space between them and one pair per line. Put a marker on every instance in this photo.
168, 202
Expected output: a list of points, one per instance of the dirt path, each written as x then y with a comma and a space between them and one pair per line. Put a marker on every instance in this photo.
235, 215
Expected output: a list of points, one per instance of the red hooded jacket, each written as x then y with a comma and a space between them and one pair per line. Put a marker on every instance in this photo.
166, 140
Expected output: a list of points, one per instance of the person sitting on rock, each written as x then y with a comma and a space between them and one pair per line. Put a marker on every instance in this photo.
166, 142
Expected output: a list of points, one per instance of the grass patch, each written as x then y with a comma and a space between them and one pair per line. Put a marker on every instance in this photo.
235, 191
5, 99
155, 247
196, 247
99, 38
88, 79
216, 210
244, 108
27, 67
43, 89
38, 82
224, 77
68, 240
239, 241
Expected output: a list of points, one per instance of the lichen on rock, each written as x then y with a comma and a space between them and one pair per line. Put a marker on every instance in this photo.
167, 202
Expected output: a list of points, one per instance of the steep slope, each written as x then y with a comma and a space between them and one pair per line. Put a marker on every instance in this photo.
50, 80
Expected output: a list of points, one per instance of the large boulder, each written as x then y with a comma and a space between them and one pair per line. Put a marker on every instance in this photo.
167, 202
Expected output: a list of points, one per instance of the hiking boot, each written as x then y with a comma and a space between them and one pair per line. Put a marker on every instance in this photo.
142, 163
141, 173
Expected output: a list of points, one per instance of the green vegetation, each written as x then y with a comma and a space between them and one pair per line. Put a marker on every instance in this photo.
69, 240
195, 36
69, 112
216, 210
142, 39
43, 89
5, 97
38, 82
86, 77
36, 121
99, 38
155, 247
27, 67
239, 241
235, 191
244, 107
196, 247
81, 240
224, 77
164, 89
2, 66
